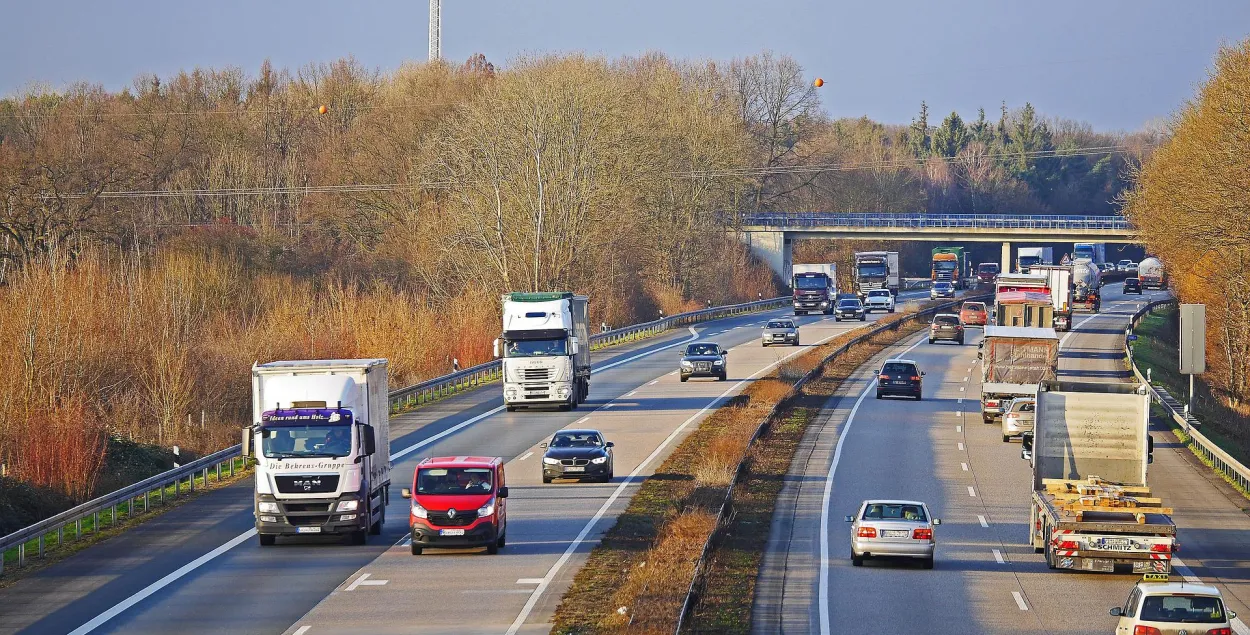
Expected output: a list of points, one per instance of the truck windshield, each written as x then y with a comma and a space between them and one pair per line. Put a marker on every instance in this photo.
986, 268
872, 271
454, 480
322, 440
1028, 261
1198, 609
536, 348
812, 283
945, 265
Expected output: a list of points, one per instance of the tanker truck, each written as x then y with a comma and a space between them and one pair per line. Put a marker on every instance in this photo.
1151, 274
1086, 285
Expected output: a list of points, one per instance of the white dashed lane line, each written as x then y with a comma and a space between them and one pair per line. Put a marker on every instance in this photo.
983, 522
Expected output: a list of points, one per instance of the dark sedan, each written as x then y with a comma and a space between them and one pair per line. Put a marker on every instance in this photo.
850, 309
704, 359
579, 454
1132, 285
899, 377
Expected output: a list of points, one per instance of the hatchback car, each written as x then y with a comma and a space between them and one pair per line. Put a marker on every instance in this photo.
850, 309
579, 454
1018, 417
1132, 285
942, 290
780, 332
703, 359
879, 300
973, 314
457, 502
899, 377
1158, 606
893, 528
946, 326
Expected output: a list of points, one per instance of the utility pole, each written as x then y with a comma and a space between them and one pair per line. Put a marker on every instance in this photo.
436, 28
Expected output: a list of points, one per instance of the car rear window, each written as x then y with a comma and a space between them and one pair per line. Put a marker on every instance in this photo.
898, 368
1198, 609
945, 319
887, 511
974, 306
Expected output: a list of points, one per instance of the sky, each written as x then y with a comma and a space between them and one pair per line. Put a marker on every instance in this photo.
1115, 64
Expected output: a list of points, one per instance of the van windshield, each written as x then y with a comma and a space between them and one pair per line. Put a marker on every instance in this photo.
454, 480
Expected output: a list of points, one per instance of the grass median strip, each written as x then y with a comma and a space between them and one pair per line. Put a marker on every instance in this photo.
636, 579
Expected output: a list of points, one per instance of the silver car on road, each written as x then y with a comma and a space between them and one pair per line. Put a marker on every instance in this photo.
780, 332
894, 528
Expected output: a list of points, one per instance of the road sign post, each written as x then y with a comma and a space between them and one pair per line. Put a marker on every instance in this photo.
1193, 345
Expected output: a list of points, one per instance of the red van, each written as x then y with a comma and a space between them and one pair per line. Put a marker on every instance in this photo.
458, 501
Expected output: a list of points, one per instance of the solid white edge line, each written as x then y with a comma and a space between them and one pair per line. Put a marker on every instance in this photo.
301, 630
1239, 626
529, 581
998, 557
118, 608
1019, 600
525, 456
983, 521
823, 583
603, 509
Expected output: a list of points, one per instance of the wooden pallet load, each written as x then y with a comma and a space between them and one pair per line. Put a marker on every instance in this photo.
1096, 495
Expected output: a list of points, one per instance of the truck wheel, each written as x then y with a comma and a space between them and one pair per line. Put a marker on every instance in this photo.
359, 537
416, 549
266, 540
564, 407
1006, 438
930, 340
492, 548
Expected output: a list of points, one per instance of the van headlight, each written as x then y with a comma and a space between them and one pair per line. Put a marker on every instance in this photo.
347, 506
419, 511
486, 510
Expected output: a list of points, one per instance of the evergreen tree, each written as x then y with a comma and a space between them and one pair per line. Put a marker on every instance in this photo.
1003, 135
1030, 136
918, 140
980, 130
951, 137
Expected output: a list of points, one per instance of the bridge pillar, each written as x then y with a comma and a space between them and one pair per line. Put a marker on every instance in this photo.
774, 248
1006, 268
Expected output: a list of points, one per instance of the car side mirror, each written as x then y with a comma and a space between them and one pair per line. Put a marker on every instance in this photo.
850, 519
542, 445
496, 348
371, 440
609, 444
922, 373
1232, 615
405, 493
1117, 612
724, 352
937, 521
246, 444
502, 493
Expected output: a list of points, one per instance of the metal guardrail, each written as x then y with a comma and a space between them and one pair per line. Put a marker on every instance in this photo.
935, 221
87, 517
700, 568
1222, 461
424, 392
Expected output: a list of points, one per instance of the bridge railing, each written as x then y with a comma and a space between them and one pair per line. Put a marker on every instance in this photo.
934, 221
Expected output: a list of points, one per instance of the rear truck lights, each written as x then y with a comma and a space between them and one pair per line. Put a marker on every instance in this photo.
486, 510
1069, 545
1161, 548
268, 519
867, 532
268, 507
922, 534
550, 461
347, 506
419, 511
599, 461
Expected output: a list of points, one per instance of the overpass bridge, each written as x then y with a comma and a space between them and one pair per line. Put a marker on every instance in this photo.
770, 234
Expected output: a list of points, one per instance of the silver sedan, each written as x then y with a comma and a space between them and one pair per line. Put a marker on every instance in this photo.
894, 528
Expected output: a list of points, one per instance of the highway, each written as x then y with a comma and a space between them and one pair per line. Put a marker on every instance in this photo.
198, 569
987, 578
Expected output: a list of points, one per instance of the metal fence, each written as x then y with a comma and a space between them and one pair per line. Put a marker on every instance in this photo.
1223, 463
87, 518
935, 221
698, 579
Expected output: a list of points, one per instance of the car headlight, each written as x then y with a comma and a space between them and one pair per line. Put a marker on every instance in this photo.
268, 508
550, 461
347, 506
686, 364
599, 461
419, 511
487, 509
719, 362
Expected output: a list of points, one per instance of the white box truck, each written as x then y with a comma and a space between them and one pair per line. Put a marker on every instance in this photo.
876, 270
545, 350
321, 439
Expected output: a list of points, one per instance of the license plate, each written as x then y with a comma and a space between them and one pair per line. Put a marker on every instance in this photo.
900, 383
308, 530
451, 532
896, 533
574, 469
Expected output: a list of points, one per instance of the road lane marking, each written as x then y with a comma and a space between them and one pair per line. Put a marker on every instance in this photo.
603, 509
1019, 600
972, 492
631, 393
964, 465
653, 382
529, 581
583, 420
526, 456
301, 630
983, 523
998, 557
959, 428
961, 400
608, 405
364, 580
961, 446
965, 378
961, 389
823, 583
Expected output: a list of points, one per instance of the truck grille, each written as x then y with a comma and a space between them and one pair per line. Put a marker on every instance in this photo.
465, 517
307, 484
575, 461
319, 519
536, 374
307, 507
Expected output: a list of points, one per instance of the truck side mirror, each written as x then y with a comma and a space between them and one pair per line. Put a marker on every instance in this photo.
502, 493
246, 444
370, 441
496, 349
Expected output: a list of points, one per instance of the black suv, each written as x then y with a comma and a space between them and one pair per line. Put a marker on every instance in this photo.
704, 359
899, 377
850, 309
1132, 285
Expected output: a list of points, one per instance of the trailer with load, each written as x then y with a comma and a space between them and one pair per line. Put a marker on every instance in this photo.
1014, 360
1092, 509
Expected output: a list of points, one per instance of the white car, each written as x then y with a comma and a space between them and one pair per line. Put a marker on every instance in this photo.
879, 300
1158, 605
1126, 265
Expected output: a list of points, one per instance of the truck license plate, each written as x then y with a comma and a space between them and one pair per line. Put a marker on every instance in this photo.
308, 530
451, 532
574, 469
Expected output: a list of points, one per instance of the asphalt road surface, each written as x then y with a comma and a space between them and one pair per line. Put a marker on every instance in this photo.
198, 569
987, 579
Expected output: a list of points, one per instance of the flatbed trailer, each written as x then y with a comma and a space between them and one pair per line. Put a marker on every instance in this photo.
1076, 534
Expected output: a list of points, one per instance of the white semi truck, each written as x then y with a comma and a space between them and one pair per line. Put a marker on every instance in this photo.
1091, 507
876, 270
1097, 252
321, 439
545, 350
1026, 257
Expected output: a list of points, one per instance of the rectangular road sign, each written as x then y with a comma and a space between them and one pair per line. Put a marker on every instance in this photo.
1193, 348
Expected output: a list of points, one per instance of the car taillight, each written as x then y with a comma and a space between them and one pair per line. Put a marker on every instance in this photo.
867, 532
1220, 631
1069, 544
915, 377
1146, 630
1160, 548
883, 377
922, 534
991, 404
